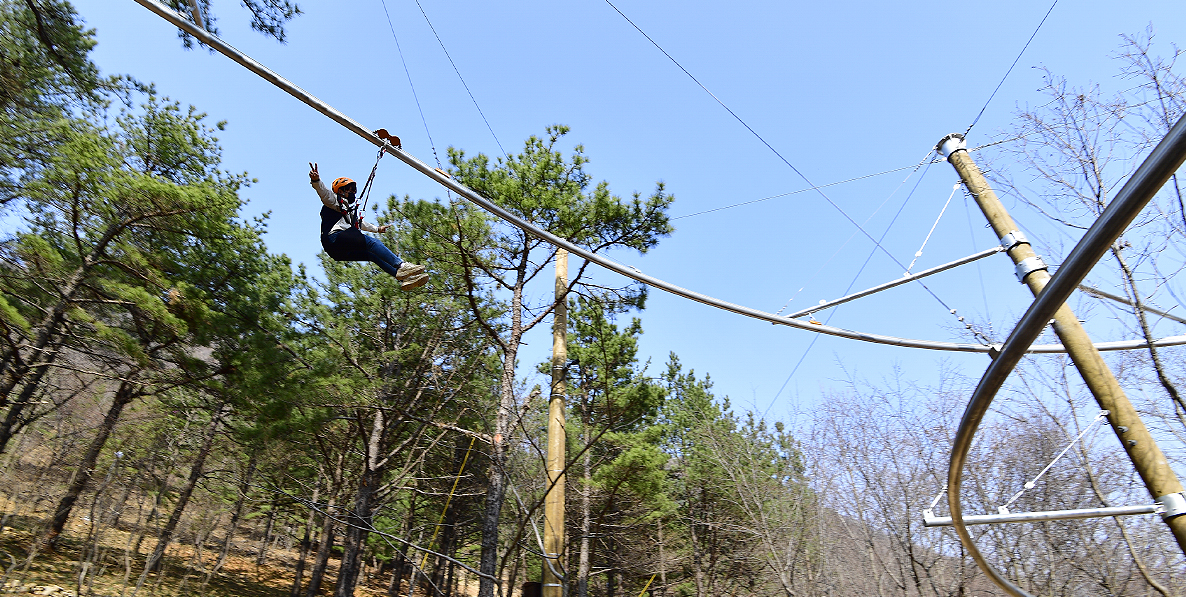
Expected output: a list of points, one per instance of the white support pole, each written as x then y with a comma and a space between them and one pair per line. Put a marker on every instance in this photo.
900, 281
929, 519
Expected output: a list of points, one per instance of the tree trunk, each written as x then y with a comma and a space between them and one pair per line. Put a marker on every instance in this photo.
355, 537
261, 557
10, 425
446, 545
400, 564
244, 485
195, 473
662, 562
611, 584
496, 491
697, 556
48, 328
396, 570
86, 469
583, 566
361, 515
306, 544
323, 552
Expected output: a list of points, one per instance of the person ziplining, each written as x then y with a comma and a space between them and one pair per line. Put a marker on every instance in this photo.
342, 229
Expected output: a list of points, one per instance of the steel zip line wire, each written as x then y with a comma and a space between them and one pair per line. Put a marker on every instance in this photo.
629, 271
462, 79
817, 189
788, 193
824, 186
407, 72
1011, 66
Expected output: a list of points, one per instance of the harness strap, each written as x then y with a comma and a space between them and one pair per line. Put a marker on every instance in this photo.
351, 211
366, 188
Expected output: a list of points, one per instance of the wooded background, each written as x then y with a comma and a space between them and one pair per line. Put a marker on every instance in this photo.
173, 395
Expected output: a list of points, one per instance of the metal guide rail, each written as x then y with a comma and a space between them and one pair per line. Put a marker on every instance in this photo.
443, 179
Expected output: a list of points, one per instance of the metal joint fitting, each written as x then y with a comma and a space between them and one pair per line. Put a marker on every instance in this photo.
1013, 238
951, 144
1171, 505
1028, 266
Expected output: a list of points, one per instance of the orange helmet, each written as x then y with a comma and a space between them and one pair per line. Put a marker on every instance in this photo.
339, 185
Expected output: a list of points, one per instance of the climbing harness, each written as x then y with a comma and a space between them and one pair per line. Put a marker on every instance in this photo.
352, 210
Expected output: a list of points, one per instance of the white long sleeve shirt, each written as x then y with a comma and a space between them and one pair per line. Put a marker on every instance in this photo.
331, 201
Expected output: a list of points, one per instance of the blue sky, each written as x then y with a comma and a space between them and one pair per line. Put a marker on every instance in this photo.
840, 90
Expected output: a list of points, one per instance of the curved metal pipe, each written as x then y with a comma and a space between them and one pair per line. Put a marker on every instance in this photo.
354, 126
1164, 160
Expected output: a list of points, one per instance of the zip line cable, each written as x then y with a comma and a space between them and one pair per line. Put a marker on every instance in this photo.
633, 273
1011, 66
832, 313
431, 143
853, 282
804, 190
920, 282
817, 189
463, 83
832, 184
851, 236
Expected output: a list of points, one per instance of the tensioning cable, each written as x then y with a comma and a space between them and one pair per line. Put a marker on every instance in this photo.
408, 73
633, 273
462, 79
1011, 66
816, 188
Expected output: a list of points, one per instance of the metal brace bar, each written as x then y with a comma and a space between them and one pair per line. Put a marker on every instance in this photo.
903, 280
929, 519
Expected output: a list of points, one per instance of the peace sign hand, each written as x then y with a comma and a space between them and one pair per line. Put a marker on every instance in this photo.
314, 176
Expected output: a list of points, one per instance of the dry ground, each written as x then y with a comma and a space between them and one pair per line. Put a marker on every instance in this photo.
62, 571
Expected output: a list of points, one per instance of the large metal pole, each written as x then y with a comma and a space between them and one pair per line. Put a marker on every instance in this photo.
553, 578
1147, 458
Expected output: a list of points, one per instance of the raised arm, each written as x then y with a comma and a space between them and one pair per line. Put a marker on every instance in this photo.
326, 195
331, 201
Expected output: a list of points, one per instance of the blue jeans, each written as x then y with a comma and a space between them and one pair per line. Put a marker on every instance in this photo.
366, 249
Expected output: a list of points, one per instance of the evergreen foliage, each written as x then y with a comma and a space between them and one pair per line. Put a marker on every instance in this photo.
169, 387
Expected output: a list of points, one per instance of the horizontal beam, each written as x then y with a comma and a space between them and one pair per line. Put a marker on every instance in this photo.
929, 519
900, 281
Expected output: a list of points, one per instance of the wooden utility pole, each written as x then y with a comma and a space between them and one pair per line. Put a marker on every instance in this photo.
1146, 456
554, 500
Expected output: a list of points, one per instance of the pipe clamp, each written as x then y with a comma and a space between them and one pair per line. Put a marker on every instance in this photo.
1028, 266
1171, 505
1013, 238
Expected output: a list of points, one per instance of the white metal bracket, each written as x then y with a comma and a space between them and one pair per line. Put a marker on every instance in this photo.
1013, 238
1171, 505
1028, 266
